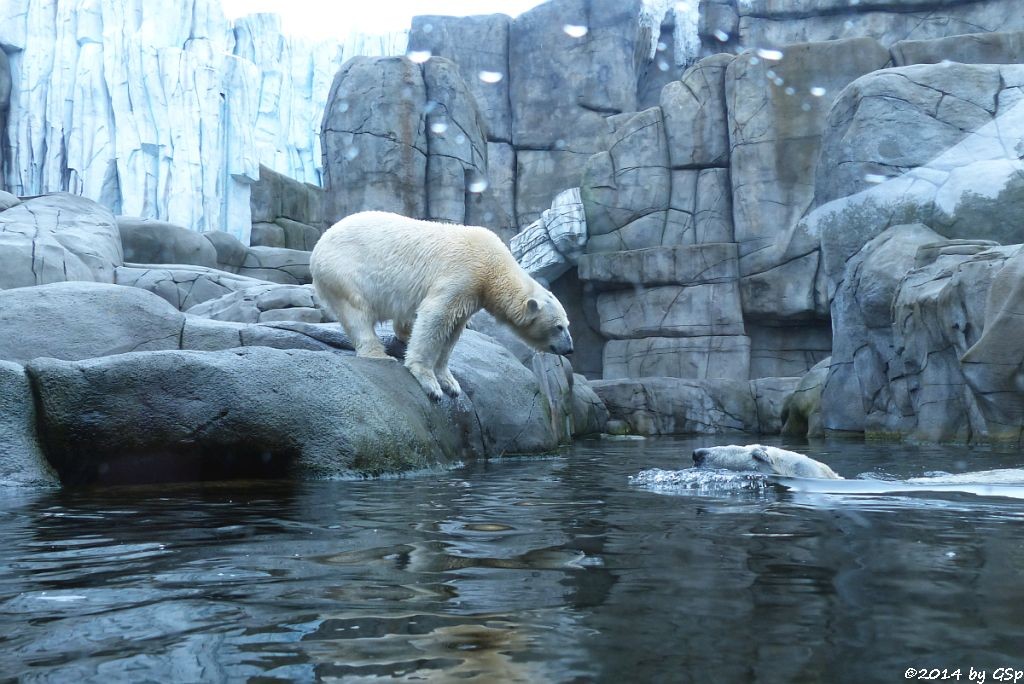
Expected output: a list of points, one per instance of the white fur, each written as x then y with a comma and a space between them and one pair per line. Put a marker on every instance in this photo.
764, 459
428, 278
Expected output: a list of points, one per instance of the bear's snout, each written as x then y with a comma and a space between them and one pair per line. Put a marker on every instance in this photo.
699, 456
563, 346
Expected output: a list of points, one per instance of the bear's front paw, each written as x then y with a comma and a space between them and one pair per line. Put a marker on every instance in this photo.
427, 379
448, 383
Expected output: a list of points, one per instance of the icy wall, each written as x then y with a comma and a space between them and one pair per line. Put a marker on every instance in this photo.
163, 110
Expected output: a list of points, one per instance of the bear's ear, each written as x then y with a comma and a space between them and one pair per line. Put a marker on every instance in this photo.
760, 454
532, 306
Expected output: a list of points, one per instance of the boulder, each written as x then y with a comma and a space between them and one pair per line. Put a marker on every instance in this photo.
1001, 47
992, 365
263, 303
495, 207
82, 320
275, 196
770, 398
695, 116
231, 252
57, 238
374, 139
183, 286
277, 265
779, 350
479, 46
632, 179
259, 412
801, 410
147, 241
21, 457
554, 243
777, 112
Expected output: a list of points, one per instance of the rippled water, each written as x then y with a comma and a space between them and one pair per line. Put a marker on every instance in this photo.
553, 569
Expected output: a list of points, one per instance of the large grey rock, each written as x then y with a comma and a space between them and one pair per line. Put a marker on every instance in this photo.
21, 457
672, 311
275, 196
631, 180
562, 87
278, 265
701, 358
970, 190
182, 286
858, 383
775, 133
82, 320
801, 410
263, 303
495, 207
695, 115
933, 107
888, 21
553, 243
770, 397
374, 139
684, 265
286, 233
992, 365
5, 107
247, 412
231, 252
975, 48
479, 46
147, 241
7, 200
667, 406
713, 207
56, 238
456, 142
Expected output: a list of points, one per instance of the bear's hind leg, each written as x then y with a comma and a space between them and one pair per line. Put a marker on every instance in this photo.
358, 324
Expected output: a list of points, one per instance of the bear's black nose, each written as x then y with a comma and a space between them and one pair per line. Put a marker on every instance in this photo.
698, 456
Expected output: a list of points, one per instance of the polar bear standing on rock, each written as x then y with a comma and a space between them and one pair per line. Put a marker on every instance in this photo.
428, 278
764, 459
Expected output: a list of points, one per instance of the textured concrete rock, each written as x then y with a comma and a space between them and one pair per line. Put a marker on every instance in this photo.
275, 196
886, 21
246, 412
992, 365
456, 142
801, 411
672, 311
589, 413
495, 207
794, 290
935, 106
147, 241
231, 252
264, 303
787, 350
21, 457
770, 398
975, 48
56, 238
667, 406
701, 358
7, 200
285, 233
713, 207
858, 384
695, 115
969, 190
5, 107
775, 127
278, 265
685, 265
542, 174
83, 320
632, 179
374, 139
183, 286
554, 243
479, 46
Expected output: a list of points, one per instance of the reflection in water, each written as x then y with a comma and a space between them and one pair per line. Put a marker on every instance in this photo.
521, 570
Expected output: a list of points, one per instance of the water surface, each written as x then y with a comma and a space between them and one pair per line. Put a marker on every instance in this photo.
527, 569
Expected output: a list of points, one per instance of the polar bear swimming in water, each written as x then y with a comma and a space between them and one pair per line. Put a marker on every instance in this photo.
763, 459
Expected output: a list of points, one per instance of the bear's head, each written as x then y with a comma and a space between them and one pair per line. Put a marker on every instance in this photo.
765, 459
544, 324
